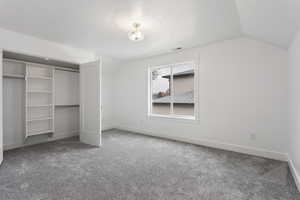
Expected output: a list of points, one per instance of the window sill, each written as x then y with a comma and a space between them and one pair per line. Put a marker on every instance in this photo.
178, 118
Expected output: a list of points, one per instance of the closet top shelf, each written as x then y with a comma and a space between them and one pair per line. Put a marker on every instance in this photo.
39, 61
20, 76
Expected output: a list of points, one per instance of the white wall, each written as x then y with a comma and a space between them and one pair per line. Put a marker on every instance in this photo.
294, 104
20, 43
107, 91
242, 91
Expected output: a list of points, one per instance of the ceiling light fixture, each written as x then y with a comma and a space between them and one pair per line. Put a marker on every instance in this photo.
136, 35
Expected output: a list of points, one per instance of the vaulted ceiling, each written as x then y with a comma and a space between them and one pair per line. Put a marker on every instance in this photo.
102, 26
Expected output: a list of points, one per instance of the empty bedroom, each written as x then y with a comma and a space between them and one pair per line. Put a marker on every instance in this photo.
150, 100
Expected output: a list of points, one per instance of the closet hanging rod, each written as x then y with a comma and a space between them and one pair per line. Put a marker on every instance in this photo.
42, 65
13, 76
61, 106
67, 70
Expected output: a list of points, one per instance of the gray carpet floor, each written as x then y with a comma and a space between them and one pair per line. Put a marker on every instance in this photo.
134, 167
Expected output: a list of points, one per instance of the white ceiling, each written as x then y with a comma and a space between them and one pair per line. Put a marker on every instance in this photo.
274, 21
102, 25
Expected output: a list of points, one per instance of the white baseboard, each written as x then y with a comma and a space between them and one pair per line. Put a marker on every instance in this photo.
294, 172
215, 144
230, 147
107, 125
107, 128
56, 136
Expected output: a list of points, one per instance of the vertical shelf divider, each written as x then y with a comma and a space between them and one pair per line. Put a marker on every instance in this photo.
26, 101
39, 90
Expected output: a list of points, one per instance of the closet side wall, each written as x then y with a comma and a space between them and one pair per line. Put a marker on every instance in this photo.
13, 105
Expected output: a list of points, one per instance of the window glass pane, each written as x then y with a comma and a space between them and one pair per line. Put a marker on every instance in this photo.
183, 88
161, 99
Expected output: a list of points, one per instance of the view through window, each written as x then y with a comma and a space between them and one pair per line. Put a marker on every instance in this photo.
172, 90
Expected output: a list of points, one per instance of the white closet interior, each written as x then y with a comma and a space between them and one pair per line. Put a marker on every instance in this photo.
40, 101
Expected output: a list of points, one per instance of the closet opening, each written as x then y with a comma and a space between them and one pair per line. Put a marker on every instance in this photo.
41, 100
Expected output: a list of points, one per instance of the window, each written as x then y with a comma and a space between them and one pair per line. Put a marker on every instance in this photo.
171, 91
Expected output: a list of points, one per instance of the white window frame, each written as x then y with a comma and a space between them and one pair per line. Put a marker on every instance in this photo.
196, 89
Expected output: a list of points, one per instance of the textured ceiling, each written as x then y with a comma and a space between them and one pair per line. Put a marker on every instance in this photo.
102, 26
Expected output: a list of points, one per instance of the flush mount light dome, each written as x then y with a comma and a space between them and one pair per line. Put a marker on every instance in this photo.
136, 35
